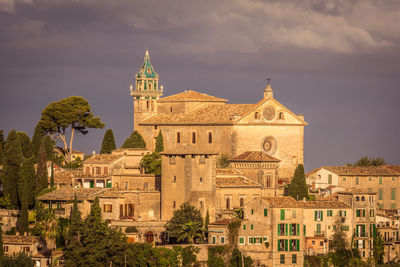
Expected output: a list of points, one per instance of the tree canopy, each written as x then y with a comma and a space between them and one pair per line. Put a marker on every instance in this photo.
298, 187
108, 143
184, 215
135, 140
366, 161
26, 146
152, 163
69, 114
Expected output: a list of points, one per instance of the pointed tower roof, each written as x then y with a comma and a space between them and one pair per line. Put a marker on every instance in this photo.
146, 70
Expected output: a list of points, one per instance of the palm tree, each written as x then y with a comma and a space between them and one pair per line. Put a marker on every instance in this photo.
238, 214
190, 231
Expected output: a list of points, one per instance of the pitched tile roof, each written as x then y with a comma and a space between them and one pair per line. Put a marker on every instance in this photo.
68, 194
289, 202
65, 176
254, 156
102, 158
228, 171
209, 114
362, 170
20, 239
235, 181
191, 96
223, 222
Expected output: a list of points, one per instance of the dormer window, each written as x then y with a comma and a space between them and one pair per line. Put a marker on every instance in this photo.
281, 116
148, 70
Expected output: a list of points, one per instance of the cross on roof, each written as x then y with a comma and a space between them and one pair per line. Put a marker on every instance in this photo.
269, 80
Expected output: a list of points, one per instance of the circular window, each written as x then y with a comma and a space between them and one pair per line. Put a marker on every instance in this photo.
269, 112
269, 145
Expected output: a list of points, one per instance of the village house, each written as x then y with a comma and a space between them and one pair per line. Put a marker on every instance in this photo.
388, 228
382, 180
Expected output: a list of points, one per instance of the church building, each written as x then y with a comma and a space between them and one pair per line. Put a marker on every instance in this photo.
198, 129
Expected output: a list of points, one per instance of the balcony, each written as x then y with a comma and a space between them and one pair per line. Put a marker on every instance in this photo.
365, 234
319, 233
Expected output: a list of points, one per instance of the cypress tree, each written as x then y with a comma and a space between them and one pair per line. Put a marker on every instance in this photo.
11, 167
73, 249
27, 174
48, 147
26, 145
108, 142
298, 187
1, 154
37, 139
1, 244
2, 138
134, 141
42, 181
159, 143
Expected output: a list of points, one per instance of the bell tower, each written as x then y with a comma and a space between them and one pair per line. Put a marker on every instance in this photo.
146, 92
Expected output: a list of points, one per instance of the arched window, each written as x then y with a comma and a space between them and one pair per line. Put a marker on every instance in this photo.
362, 198
281, 116
268, 182
147, 105
257, 115
149, 237
357, 198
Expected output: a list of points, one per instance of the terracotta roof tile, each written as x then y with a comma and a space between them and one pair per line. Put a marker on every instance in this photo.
235, 181
68, 193
224, 222
211, 114
102, 158
289, 202
362, 170
191, 96
254, 156
20, 239
65, 176
228, 171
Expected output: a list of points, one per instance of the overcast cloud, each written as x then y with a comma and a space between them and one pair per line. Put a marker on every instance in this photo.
336, 62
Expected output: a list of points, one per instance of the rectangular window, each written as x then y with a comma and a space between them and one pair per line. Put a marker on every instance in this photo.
293, 214
369, 179
107, 208
393, 194
174, 179
344, 179
294, 258
193, 138
357, 180
251, 227
146, 185
178, 137
282, 214
241, 240
281, 245
252, 211
98, 170
380, 192
318, 228
228, 203
329, 178
318, 214
222, 240
244, 227
174, 204
371, 213
210, 139
121, 211
106, 170
87, 170
304, 230
380, 180
265, 212
393, 179
131, 210
5, 248
214, 239
281, 229
282, 259
241, 202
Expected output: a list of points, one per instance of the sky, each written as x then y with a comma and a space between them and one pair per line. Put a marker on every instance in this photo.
336, 62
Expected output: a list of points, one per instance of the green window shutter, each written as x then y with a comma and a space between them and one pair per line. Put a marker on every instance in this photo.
279, 229
363, 213
282, 215
279, 247
286, 229
318, 228
304, 230
315, 215
344, 213
290, 230
357, 230
380, 180
252, 211
286, 245
357, 213
290, 244
393, 194
374, 229
251, 227
265, 212
298, 229
322, 216
244, 226
298, 244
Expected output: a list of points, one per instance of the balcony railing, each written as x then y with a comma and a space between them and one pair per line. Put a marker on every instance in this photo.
319, 233
365, 234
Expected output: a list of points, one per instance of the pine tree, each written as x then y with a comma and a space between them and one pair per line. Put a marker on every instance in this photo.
108, 144
134, 141
27, 174
159, 143
298, 187
11, 167
26, 146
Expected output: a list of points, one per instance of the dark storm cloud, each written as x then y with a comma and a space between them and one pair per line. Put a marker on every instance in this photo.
337, 62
